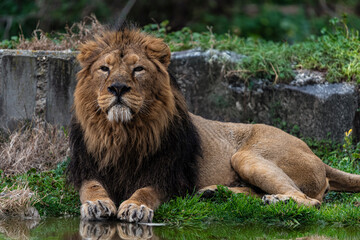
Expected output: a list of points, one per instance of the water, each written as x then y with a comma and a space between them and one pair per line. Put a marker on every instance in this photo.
73, 228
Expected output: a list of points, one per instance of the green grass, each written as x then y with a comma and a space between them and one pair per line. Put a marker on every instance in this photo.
58, 199
238, 208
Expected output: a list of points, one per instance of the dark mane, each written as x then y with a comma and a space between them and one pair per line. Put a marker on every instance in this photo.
172, 169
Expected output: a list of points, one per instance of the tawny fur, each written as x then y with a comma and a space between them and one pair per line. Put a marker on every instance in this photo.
160, 150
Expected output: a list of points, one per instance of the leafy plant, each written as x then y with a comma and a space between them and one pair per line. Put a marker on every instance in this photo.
10, 44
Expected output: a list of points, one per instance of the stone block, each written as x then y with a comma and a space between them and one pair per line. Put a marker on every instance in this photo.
200, 74
61, 82
17, 89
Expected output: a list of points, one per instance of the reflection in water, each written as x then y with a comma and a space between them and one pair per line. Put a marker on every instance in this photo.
71, 228
114, 230
16, 228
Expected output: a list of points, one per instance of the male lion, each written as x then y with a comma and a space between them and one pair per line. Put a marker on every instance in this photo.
133, 139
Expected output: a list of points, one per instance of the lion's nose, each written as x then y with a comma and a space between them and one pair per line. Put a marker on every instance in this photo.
118, 89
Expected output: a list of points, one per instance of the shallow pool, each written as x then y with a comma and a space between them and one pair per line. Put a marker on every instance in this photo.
73, 228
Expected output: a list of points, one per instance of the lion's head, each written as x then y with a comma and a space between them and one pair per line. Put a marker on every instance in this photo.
123, 96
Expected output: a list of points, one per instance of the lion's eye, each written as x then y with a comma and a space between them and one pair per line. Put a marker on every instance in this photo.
138, 69
104, 68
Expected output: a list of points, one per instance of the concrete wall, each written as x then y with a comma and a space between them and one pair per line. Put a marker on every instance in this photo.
39, 85
36, 85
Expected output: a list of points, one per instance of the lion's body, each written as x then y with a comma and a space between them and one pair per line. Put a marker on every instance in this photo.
134, 142
220, 141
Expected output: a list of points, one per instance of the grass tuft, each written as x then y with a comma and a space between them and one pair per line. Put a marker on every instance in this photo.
72, 37
40, 147
15, 201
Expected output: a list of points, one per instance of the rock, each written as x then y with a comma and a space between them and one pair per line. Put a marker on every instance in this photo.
307, 77
200, 76
318, 111
17, 89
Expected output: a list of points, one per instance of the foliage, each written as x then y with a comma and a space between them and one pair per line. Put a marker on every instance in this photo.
22, 17
10, 44
335, 52
276, 20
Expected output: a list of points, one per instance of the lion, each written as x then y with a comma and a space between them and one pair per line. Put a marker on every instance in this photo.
134, 145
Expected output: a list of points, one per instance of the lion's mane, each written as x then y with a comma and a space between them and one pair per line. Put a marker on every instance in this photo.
159, 151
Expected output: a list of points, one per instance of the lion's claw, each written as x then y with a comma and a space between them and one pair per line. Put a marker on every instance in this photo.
99, 209
134, 213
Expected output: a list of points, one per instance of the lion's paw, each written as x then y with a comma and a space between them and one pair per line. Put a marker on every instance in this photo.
207, 193
132, 212
96, 210
302, 200
96, 230
134, 231
272, 199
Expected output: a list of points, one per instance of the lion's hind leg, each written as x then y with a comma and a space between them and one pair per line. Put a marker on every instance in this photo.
95, 202
209, 191
265, 175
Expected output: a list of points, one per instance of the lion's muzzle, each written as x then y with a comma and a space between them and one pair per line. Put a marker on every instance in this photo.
118, 111
118, 89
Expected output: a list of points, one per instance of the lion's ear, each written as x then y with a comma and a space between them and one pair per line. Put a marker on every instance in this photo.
87, 53
159, 50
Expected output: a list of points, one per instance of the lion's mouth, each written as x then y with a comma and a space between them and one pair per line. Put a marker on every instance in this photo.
119, 113
118, 110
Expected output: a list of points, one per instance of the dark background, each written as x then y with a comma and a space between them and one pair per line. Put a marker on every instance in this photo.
282, 20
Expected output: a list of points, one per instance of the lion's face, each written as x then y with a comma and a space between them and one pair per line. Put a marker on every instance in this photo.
123, 84
125, 76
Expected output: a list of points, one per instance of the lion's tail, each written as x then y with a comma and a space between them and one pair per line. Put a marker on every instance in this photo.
342, 181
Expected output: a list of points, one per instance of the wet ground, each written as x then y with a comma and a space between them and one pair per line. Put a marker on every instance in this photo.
73, 228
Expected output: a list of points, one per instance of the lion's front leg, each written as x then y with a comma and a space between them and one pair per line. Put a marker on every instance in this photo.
140, 206
95, 202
